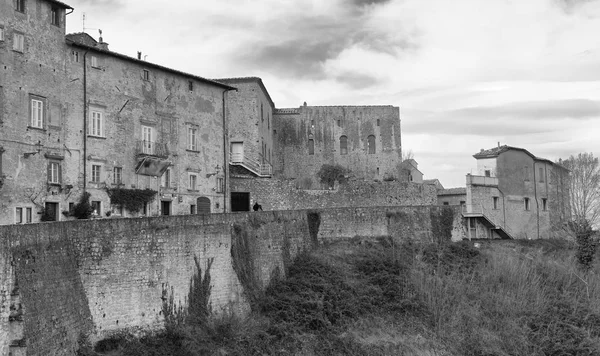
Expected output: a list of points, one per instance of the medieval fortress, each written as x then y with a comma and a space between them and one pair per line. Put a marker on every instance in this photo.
77, 118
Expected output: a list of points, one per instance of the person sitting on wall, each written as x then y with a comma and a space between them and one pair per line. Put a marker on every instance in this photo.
257, 207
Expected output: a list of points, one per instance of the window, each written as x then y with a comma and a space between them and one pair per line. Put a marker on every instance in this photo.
371, 144
262, 118
18, 42
192, 209
192, 139
526, 203
193, 182
220, 185
18, 215
75, 55
268, 121
526, 173
343, 145
147, 140
488, 173
96, 127
37, 113
495, 202
94, 62
462, 202
96, 207
28, 215
146, 74
339, 123
165, 180
96, 173
117, 175
1, 152
544, 204
1, 33
54, 174
311, 146
446, 203
312, 123
378, 122
191, 85
20, 5
55, 16
541, 173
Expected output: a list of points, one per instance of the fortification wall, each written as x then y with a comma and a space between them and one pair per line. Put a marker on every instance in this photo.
104, 276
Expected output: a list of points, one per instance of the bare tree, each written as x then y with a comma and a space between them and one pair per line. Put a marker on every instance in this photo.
584, 185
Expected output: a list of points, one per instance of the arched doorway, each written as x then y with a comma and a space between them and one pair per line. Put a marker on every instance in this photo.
203, 205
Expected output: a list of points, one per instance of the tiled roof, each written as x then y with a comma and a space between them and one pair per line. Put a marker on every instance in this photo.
76, 39
453, 191
494, 152
247, 80
62, 4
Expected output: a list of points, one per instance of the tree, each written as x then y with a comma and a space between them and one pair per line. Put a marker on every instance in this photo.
584, 187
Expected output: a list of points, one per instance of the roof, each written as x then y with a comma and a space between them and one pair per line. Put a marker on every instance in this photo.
453, 191
287, 111
79, 40
248, 80
61, 4
496, 151
435, 182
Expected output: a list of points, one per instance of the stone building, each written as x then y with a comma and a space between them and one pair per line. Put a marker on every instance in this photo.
75, 117
516, 195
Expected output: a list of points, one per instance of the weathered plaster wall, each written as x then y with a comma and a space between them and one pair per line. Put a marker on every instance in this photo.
282, 194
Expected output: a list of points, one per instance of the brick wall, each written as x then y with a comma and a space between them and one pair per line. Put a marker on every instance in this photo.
282, 194
104, 276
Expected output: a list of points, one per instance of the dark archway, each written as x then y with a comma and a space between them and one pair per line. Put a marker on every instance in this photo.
203, 205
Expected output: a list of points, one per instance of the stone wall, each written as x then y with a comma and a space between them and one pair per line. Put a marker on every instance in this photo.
98, 277
282, 194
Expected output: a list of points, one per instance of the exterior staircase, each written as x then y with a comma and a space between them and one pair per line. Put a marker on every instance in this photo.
263, 170
478, 212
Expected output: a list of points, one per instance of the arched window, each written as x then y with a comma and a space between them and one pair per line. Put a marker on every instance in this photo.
343, 145
371, 144
311, 146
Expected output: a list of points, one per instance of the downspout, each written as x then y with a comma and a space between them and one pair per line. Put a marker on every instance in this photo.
225, 160
85, 121
537, 204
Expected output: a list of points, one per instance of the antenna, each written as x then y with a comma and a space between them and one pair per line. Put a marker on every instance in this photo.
83, 24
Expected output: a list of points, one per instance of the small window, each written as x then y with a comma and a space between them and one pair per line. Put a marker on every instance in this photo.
94, 62
472, 223
75, 55
192, 209
192, 138
462, 202
262, 118
339, 123
96, 207
1, 33
55, 16
526, 173
117, 175
146, 74
343, 145
378, 122
18, 215
20, 5
220, 185
544, 204
37, 113
191, 85
54, 172
488, 173
311, 146
541, 173
18, 42
28, 215
193, 182
446, 203
495, 202
165, 180
96, 126
527, 207
96, 173
371, 144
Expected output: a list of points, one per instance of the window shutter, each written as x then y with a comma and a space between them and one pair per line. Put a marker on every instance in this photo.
49, 172
59, 173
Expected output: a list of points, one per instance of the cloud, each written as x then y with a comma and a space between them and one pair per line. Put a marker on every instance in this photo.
357, 80
569, 6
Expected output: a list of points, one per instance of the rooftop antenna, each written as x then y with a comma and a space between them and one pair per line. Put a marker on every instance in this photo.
83, 24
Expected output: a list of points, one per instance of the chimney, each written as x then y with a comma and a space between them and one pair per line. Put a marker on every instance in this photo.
139, 55
101, 44
498, 144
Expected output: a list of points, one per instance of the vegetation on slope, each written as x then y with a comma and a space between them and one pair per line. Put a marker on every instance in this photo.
377, 298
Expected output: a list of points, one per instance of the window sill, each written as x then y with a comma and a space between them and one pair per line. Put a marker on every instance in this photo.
193, 190
98, 137
195, 151
17, 51
36, 128
54, 184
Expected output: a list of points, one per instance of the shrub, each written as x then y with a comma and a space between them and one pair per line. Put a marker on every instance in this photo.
329, 174
83, 209
131, 199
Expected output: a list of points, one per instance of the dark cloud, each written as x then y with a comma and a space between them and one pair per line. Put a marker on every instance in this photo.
570, 6
309, 41
513, 119
369, 2
357, 80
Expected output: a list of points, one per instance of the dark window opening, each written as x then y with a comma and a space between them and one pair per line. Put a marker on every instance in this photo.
343, 145
193, 209
203, 205
51, 212
495, 202
377, 122
96, 208
446, 203
371, 144
488, 173
526, 200
146, 74
55, 16
544, 204
191, 85
20, 5
311, 146
165, 207
240, 201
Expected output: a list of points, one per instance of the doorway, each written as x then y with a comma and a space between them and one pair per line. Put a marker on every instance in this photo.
237, 152
50, 212
165, 207
240, 201
203, 205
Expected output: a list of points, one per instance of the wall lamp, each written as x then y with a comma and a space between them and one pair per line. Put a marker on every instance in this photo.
38, 150
217, 169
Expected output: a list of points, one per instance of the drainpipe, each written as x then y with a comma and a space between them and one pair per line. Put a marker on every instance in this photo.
225, 160
537, 204
85, 121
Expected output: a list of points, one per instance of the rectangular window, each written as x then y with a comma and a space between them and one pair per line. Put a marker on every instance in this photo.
117, 175
192, 139
54, 174
37, 113
165, 181
541, 173
446, 203
18, 42
94, 62
193, 181
220, 185
544, 204
495, 202
147, 140
192, 209
55, 16
96, 173
1, 33
488, 173
20, 5
526, 200
96, 123
311, 146
191, 85
146, 74
75, 55
18, 215
28, 215
96, 207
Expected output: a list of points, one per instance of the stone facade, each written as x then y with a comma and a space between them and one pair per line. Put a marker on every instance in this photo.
77, 117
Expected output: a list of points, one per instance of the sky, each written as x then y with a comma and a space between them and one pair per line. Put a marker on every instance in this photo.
466, 74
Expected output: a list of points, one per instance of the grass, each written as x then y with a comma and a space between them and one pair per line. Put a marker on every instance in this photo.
375, 298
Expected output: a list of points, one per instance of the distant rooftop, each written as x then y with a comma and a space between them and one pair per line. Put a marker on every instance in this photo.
61, 4
496, 151
453, 191
247, 80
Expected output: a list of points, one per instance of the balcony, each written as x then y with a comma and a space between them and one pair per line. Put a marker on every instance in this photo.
150, 148
260, 169
482, 180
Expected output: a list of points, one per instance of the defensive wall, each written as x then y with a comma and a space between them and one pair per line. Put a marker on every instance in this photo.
61, 280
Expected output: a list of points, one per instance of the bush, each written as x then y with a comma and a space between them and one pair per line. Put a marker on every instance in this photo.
329, 174
83, 209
